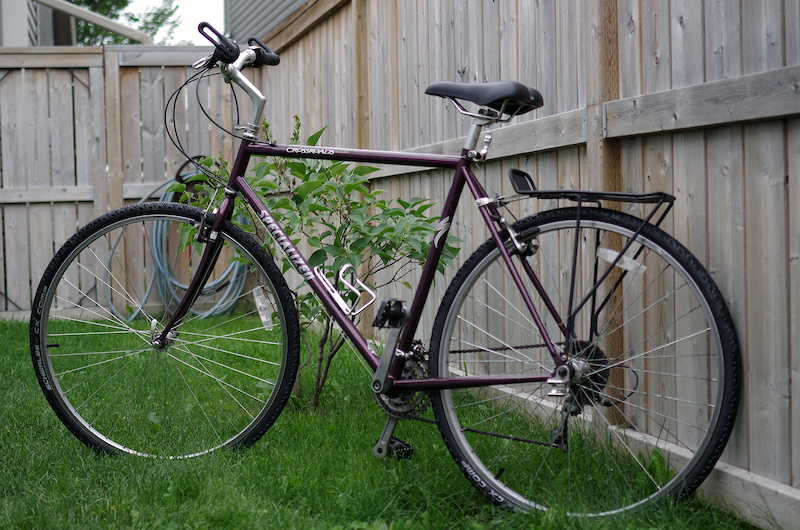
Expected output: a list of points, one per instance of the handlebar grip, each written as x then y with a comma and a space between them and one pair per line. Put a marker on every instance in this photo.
226, 50
264, 55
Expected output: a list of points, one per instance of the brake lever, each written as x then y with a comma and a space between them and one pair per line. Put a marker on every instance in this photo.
206, 62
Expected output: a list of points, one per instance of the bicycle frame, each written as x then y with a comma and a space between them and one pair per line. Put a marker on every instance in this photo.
237, 185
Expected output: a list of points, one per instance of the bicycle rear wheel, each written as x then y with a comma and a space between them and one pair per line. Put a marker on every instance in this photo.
108, 292
655, 368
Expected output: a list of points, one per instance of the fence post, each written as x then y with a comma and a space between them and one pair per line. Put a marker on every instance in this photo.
602, 84
112, 195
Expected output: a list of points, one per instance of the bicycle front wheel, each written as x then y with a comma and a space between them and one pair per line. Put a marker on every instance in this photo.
228, 367
651, 393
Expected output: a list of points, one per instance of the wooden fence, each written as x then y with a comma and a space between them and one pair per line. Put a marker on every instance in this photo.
698, 98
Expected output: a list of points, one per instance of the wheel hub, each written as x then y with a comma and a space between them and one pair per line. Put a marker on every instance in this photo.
589, 367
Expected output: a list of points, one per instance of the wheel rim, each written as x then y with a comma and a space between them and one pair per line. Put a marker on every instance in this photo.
215, 383
648, 451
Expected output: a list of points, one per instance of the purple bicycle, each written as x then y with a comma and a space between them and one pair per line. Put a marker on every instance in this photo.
579, 348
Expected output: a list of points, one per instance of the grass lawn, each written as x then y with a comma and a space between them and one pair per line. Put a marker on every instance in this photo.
311, 470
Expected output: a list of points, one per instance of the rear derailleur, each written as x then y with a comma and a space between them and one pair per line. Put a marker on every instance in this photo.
582, 380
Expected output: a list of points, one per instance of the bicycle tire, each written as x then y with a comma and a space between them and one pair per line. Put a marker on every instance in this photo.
661, 372
222, 380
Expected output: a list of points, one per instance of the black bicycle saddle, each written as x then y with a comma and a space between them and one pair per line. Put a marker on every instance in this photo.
507, 96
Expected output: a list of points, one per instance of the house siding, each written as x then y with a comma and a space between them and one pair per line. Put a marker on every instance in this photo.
248, 18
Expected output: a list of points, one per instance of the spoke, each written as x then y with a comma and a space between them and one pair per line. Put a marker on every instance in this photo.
530, 323
220, 381
123, 325
124, 294
186, 344
92, 365
224, 386
621, 362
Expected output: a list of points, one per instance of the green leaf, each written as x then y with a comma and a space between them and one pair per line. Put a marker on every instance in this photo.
304, 189
314, 138
197, 177
176, 187
318, 258
364, 170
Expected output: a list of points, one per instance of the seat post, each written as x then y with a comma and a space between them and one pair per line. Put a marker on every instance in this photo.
474, 134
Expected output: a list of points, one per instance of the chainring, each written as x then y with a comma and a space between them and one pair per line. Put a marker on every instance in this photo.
409, 405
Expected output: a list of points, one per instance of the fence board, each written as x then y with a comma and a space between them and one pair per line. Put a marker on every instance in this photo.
727, 245
130, 113
113, 189
792, 18
152, 127
546, 57
767, 283
51, 57
686, 40
793, 149
630, 47
723, 50
762, 42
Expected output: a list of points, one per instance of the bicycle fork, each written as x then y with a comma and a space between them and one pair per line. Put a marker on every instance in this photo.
207, 234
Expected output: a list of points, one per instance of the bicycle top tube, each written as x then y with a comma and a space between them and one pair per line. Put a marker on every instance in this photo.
353, 155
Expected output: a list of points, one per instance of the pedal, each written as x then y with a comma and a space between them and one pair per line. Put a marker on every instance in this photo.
400, 449
391, 314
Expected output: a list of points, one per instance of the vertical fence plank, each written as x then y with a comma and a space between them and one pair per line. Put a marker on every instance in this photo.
723, 59
726, 246
113, 189
526, 36
765, 258
152, 127
793, 149
767, 282
630, 47
723, 39
130, 114
174, 77
791, 35
546, 58
567, 59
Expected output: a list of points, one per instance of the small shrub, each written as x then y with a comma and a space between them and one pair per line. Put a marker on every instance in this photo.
331, 206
